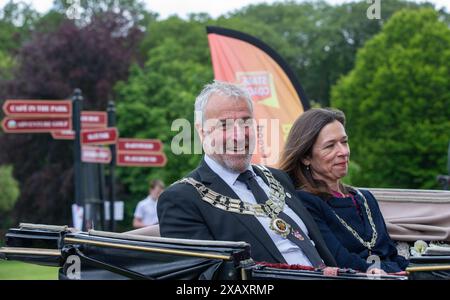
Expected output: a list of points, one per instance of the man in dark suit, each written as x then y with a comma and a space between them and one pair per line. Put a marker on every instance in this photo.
226, 198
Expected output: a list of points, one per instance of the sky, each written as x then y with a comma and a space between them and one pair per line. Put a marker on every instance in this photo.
214, 8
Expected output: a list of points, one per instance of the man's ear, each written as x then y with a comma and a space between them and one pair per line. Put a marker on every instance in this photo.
200, 131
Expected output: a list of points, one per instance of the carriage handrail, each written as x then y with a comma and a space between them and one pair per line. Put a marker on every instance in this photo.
127, 236
410, 195
30, 251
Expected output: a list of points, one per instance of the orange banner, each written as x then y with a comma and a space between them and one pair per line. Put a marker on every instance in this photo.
277, 94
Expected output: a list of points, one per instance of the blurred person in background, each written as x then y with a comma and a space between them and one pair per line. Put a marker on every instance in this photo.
146, 214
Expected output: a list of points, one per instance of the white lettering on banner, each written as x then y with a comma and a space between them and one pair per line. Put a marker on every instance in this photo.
43, 108
259, 91
59, 108
67, 132
18, 108
39, 108
145, 146
255, 80
60, 123
42, 124
98, 136
95, 154
90, 119
142, 159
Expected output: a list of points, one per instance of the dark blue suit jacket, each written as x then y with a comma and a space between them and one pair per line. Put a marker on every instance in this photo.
346, 249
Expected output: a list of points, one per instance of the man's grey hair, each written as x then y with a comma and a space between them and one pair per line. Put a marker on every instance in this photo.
222, 88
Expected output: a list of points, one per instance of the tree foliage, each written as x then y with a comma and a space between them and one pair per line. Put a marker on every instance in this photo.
51, 65
9, 189
17, 21
7, 64
322, 39
397, 101
161, 65
83, 11
159, 93
164, 90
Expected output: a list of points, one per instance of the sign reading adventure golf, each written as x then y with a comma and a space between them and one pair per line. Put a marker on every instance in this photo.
19, 125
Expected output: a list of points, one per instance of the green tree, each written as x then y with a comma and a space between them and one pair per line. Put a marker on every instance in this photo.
6, 65
164, 90
9, 189
397, 102
83, 10
159, 93
17, 20
322, 39
93, 58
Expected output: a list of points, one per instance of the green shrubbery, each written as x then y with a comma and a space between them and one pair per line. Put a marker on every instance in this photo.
397, 102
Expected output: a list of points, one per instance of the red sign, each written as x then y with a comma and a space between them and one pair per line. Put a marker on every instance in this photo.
89, 119
38, 108
93, 154
139, 145
141, 160
94, 119
99, 136
63, 135
19, 125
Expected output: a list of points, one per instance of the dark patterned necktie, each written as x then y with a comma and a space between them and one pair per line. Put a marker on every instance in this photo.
296, 235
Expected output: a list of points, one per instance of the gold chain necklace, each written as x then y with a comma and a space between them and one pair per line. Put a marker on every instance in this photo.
369, 245
271, 208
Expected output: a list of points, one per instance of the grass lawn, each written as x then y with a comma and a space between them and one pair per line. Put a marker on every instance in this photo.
21, 271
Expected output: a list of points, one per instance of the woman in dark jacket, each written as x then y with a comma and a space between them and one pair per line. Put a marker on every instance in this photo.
316, 156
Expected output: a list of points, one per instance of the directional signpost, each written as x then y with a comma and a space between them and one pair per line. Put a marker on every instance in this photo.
140, 153
36, 116
94, 119
111, 109
139, 145
96, 154
141, 159
19, 125
77, 100
63, 135
105, 136
89, 120
38, 108
89, 130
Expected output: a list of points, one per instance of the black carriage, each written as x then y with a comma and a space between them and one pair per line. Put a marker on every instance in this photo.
107, 255
410, 215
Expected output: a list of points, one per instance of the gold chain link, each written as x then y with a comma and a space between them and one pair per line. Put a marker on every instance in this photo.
368, 245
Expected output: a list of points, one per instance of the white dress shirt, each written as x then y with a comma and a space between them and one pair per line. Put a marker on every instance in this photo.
290, 251
146, 211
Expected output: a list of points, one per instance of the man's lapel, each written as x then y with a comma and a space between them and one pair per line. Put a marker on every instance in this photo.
217, 184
